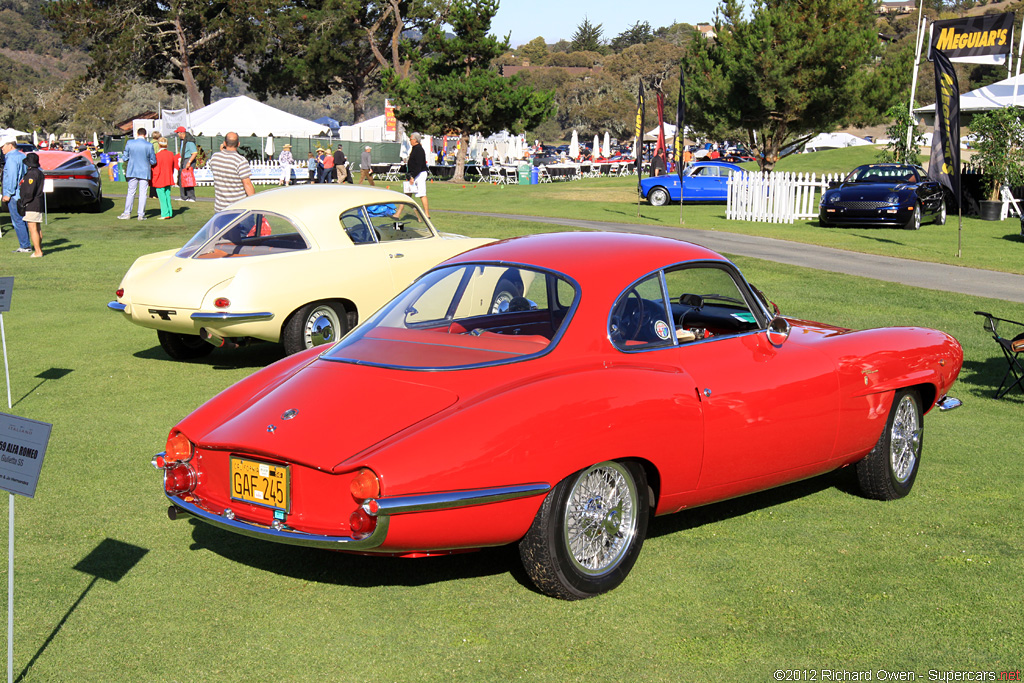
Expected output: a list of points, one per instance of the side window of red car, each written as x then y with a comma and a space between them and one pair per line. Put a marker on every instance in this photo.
639, 319
706, 302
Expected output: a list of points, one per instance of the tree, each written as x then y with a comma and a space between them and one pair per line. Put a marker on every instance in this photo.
896, 150
637, 34
783, 75
999, 148
587, 37
179, 43
455, 90
536, 51
310, 48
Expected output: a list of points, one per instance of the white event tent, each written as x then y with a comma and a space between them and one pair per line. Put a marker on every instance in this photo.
247, 117
994, 96
834, 141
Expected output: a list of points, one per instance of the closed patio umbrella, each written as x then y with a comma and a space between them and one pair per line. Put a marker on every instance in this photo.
574, 145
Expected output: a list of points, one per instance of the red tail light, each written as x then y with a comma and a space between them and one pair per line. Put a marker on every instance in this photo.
360, 523
119, 292
222, 302
179, 479
365, 485
179, 448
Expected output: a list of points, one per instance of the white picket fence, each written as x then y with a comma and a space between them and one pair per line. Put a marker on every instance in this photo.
775, 197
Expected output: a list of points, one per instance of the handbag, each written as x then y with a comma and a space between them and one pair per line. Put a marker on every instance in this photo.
188, 177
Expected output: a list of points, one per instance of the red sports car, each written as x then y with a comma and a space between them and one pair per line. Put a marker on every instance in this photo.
555, 391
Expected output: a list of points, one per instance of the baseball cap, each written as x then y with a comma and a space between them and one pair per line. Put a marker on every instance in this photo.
180, 129
8, 140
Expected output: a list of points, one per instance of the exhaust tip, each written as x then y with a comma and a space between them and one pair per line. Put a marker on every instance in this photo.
174, 512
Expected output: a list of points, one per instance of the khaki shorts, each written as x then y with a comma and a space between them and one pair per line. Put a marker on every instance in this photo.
33, 217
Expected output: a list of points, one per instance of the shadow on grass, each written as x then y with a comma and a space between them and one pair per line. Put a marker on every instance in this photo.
986, 375
1014, 238
111, 560
358, 571
54, 246
44, 376
255, 355
844, 479
367, 571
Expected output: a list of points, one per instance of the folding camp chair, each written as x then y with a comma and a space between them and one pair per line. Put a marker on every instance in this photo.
1012, 349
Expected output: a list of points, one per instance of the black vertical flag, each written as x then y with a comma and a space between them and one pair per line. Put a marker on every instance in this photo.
680, 124
944, 164
639, 135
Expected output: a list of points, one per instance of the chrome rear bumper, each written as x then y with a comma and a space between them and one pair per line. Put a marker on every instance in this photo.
948, 403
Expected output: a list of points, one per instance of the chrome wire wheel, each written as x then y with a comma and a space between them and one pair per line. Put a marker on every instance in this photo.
904, 439
600, 518
322, 326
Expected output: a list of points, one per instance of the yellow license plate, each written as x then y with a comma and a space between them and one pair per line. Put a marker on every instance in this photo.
260, 483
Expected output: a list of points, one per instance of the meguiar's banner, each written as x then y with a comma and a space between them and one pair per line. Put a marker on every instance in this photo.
980, 40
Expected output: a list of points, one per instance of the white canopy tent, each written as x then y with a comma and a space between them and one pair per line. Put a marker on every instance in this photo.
247, 117
834, 141
994, 96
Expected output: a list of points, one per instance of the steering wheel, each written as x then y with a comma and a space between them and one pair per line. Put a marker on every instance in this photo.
631, 316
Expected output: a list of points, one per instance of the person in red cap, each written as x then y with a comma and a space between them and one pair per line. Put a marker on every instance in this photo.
188, 160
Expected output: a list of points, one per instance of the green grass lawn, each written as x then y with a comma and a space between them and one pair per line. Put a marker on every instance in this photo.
809, 576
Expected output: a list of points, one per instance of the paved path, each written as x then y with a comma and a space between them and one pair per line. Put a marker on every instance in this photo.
972, 281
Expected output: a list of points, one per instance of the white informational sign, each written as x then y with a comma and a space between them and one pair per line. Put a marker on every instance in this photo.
6, 287
22, 447
48, 185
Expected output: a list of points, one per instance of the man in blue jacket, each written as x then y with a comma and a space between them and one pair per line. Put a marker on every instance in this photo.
14, 169
138, 165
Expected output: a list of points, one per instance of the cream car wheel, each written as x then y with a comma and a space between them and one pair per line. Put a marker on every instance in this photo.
315, 324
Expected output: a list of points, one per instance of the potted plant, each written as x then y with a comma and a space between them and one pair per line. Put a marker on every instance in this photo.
999, 151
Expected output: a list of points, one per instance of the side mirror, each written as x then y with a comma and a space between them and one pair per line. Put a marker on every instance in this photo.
695, 301
778, 331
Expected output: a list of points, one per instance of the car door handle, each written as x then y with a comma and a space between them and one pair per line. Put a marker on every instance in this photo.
396, 255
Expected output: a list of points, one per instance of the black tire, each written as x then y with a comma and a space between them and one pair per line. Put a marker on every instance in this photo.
914, 222
321, 322
889, 470
822, 223
940, 218
509, 287
658, 197
588, 532
97, 206
183, 346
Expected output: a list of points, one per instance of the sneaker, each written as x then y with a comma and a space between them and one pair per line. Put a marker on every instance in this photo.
123, 217
21, 250
142, 218
190, 200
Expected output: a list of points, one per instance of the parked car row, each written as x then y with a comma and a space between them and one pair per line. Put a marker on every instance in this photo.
553, 391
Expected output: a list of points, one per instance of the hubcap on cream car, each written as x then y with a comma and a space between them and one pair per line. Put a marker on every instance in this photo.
322, 326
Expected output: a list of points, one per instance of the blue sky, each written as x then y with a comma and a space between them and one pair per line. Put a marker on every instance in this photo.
557, 19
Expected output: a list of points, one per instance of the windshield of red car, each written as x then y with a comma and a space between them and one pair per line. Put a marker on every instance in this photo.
464, 316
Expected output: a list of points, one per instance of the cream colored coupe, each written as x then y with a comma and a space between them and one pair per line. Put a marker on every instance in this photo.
297, 265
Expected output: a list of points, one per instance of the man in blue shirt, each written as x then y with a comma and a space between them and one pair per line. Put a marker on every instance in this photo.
138, 167
14, 169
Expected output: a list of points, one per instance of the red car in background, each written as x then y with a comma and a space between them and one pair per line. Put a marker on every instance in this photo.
554, 391
76, 179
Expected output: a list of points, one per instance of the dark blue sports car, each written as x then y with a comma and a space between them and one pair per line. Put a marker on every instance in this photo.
897, 195
704, 181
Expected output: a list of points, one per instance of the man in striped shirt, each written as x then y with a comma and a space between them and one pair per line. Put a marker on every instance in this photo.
231, 174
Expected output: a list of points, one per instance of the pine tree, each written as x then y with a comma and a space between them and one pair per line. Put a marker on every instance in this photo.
454, 90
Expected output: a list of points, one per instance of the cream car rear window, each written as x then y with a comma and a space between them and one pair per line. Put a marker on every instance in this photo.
241, 234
